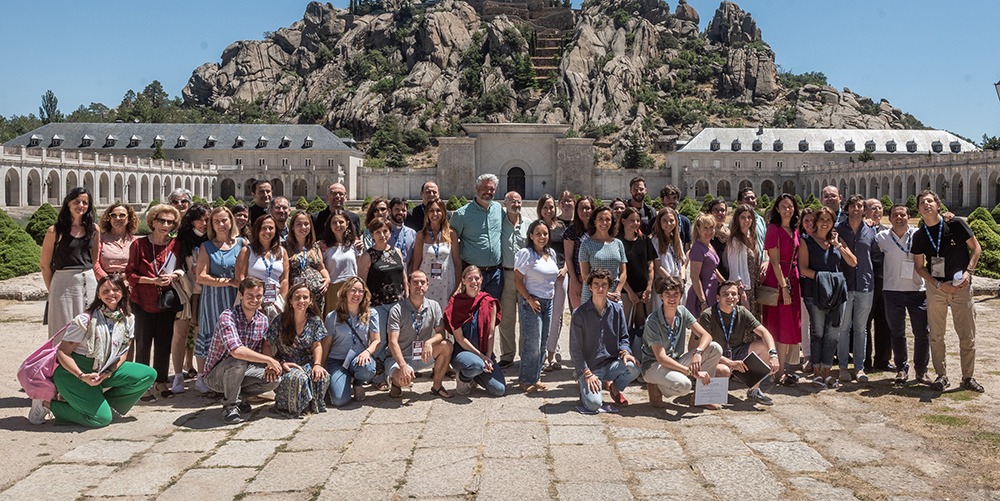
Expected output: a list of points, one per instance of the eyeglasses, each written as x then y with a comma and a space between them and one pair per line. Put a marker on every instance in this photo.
355, 291
167, 222
180, 202
118, 216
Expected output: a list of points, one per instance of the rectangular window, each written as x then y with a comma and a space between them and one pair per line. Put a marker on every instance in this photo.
261, 162
329, 162
758, 164
239, 161
738, 164
309, 162
780, 164
284, 162
209, 161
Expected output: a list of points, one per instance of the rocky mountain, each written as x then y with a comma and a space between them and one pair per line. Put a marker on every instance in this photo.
623, 70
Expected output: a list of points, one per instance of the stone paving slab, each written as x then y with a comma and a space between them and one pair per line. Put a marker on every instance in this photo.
524, 479
794, 457
363, 481
577, 435
701, 441
586, 463
209, 483
272, 427
676, 484
820, 491
148, 476
294, 471
383, 442
740, 477
329, 441
441, 473
192, 441
593, 490
104, 452
58, 481
515, 440
243, 453
892, 479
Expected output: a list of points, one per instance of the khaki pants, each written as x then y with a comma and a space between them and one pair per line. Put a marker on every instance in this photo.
508, 318
963, 316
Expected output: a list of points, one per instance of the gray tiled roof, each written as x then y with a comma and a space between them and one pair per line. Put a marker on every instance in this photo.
817, 138
197, 136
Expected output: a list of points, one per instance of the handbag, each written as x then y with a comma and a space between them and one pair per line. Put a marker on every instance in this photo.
766, 295
168, 300
35, 374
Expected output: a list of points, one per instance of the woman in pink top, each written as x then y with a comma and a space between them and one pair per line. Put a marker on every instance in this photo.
118, 224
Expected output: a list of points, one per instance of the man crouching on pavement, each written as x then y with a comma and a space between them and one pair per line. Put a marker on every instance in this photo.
416, 336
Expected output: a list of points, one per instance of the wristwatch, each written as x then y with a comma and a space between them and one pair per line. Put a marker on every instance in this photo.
772, 352
698, 351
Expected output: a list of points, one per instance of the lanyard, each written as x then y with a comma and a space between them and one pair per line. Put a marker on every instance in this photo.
158, 271
303, 260
418, 320
268, 265
909, 242
436, 245
936, 245
395, 238
672, 333
722, 323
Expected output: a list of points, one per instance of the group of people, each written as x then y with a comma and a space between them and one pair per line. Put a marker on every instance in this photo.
322, 308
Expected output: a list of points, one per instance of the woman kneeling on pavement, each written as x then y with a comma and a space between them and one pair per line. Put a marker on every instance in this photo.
352, 338
93, 377
295, 338
472, 316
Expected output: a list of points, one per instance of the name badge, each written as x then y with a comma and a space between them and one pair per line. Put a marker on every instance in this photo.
351, 355
270, 293
906, 270
418, 350
436, 270
937, 267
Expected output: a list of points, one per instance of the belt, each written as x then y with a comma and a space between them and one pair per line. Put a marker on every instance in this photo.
507, 269
488, 269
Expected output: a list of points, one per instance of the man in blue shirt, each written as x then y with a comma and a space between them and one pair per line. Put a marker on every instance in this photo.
860, 238
479, 226
670, 195
400, 236
747, 196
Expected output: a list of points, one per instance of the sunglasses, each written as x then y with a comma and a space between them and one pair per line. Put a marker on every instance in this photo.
167, 222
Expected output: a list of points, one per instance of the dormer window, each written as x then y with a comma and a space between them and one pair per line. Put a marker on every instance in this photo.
911, 146
158, 141
308, 142
714, 146
182, 141
57, 140
828, 145
890, 146
803, 145
757, 145
937, 147
285, 142
210, 142
34, 140
870, 146
239, 142
262, 142
849, 146
87, 140
110, 141
736, 146
956, 147
778, 145
134, 141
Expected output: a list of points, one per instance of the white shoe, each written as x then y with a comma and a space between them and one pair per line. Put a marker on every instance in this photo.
199, 384
38, 412
178, 386
462, 387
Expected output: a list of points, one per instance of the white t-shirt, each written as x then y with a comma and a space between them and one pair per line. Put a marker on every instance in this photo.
539, 274
897, 268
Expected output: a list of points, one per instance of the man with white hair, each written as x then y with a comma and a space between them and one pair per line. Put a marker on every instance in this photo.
512, 239
479, 225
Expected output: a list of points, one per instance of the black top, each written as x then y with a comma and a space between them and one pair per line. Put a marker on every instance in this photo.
385, 276
556, 243
321, 227
819, 260
952, 247
720, 250
639, 253
72, 253
415, 219
256, 211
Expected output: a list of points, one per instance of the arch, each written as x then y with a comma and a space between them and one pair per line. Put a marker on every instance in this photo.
228, 188
744, 184
277, 188
168, 186
994, 186
976, 195
52, 188
724, 189
873, 186
853, 187
88, 182
843, 188
12, 188
300, 187
925, 184
897, 189
701, 188
940, 188
105, 189
911, 187
119, 188
131, 189
248, 187
157, 189
885, 184
815, 189
863, 187
767, 188
187, 184
71, 181
206, 189
957, 191
34, 188
788, 187
144, 189
178, 184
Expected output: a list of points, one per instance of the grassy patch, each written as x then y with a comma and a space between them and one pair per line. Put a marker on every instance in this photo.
946, 420
993, 373
987, 438
960, 396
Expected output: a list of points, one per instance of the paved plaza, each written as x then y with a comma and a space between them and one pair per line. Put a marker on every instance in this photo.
871, 441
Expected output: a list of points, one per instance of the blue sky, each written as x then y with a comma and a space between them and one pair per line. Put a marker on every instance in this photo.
935, 60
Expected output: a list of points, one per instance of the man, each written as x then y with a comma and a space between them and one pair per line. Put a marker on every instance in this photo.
236, 365
879, 343
261, 199
429, 191
637, 187
479, 225
903, 292
830, 197
747, 196
739, 333
512, 237
336, 196
599, 345
945, 254
416, 339
400, 236
670, 196
280, 207
860, 238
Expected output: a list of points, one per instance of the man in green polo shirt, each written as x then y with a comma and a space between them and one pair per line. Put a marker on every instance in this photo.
479, 225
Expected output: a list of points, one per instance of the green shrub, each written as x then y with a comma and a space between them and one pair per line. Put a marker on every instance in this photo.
454, 203
981, 214
989, 264
302, 204
19, 254
39, 222
152, 203
690, 208
911, 205
231, 201
996, 213
367, 202
317, 205
655, 203
198, 200
886, 203
219, 202
986, 234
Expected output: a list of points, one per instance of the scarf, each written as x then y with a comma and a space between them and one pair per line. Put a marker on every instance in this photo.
461, 308
108, 332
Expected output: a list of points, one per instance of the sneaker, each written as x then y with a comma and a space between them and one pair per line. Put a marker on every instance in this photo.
359, 393
759, 397
39, 411
923, 378
232, 415
832, 382
178, 385
862, 377
244, 407
940, 383
900, 377
844, 376
789, 379
200, 385
463, 387
970, 384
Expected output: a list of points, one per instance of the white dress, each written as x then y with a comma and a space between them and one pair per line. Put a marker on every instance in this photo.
439, 266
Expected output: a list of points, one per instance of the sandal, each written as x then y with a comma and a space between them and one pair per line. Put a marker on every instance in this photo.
148, 397
617, 396
441, 392
554, 366
832, 382
818, 382
789, 379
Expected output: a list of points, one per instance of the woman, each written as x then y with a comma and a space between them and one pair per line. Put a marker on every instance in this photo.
118, 225
377, 208
567, 206
741, 254
557, 231
436, 253
381, 267
807, 227
350, 356
264, 257
180, 199
241, 214
601, 250
705, 276
296, 341
472, 316
305, 258
617, 209
822, 252
340, 257
667, 243
535, 274
575, 234
781, 242
641, 261
717, 209
92, 376
69, 251
152, 268
192, 233
216, 272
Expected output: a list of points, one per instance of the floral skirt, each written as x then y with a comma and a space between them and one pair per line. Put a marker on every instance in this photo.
297, 392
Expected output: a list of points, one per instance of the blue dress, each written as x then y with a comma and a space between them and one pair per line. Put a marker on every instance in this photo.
215, 300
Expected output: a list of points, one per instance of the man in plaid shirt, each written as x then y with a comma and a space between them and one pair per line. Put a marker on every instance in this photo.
236, 364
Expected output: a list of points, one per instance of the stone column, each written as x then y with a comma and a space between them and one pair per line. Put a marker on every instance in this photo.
457, 166
574, 165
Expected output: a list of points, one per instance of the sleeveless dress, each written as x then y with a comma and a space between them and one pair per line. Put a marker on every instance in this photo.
439, 265
214, 300
784, 322
269, 270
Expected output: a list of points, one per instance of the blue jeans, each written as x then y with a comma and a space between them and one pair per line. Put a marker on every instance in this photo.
859, 305
470, 367
822, 334
534, 336
619, 373
897, 305
493, 283
340, 378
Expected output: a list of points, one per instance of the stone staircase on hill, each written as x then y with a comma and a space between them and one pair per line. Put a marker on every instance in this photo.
548, 51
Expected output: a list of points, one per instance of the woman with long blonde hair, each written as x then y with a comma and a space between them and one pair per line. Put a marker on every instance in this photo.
436, 253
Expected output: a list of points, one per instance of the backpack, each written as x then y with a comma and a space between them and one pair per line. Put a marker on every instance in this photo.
35, 374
